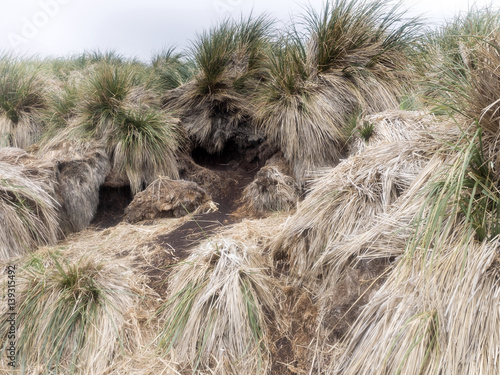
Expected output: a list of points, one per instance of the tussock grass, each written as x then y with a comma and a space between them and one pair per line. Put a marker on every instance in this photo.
437, 311
28, 209
172, 69
444, 290
214, 317
353, 61
140, 139
22, 100
144, 145
214, 106
70, 315
345, 201
295, 111
61, 110
116, 110
103, 96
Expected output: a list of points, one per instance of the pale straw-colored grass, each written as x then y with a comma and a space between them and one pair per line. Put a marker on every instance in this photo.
219, 301
72, 316
346, 201
28, 210
389, 126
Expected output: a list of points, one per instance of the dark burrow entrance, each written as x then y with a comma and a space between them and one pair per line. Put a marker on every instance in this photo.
111, 208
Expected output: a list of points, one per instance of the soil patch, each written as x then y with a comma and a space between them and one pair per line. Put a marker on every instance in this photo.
202, 226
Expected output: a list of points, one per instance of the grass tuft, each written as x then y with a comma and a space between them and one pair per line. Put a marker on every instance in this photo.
70, 316
28, 210
215, 313
22, 100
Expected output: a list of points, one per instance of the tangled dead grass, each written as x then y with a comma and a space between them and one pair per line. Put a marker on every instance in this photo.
345, 201
270, 191
423, 315
167, 198
28, 210
438, 308
82, 168
389, 126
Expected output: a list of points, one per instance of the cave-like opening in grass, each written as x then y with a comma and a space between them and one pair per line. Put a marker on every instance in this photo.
112, 204
248, 154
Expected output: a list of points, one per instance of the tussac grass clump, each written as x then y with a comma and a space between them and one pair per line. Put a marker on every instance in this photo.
28, 210
22, 100
345, 201
70, 315
444, 289
298, 114
354, 60
214, 105
116, 110
214, 317
171, 69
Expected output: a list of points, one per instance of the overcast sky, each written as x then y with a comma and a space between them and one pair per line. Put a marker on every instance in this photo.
141, 27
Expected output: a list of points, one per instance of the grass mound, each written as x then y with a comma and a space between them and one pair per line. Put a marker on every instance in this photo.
214, 106
70, 315
444, 289
22, 101
345, 201
353, 60
215, 315
28, 209
115, 109
270, 191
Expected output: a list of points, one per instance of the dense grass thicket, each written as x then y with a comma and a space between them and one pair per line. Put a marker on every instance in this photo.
374, 244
